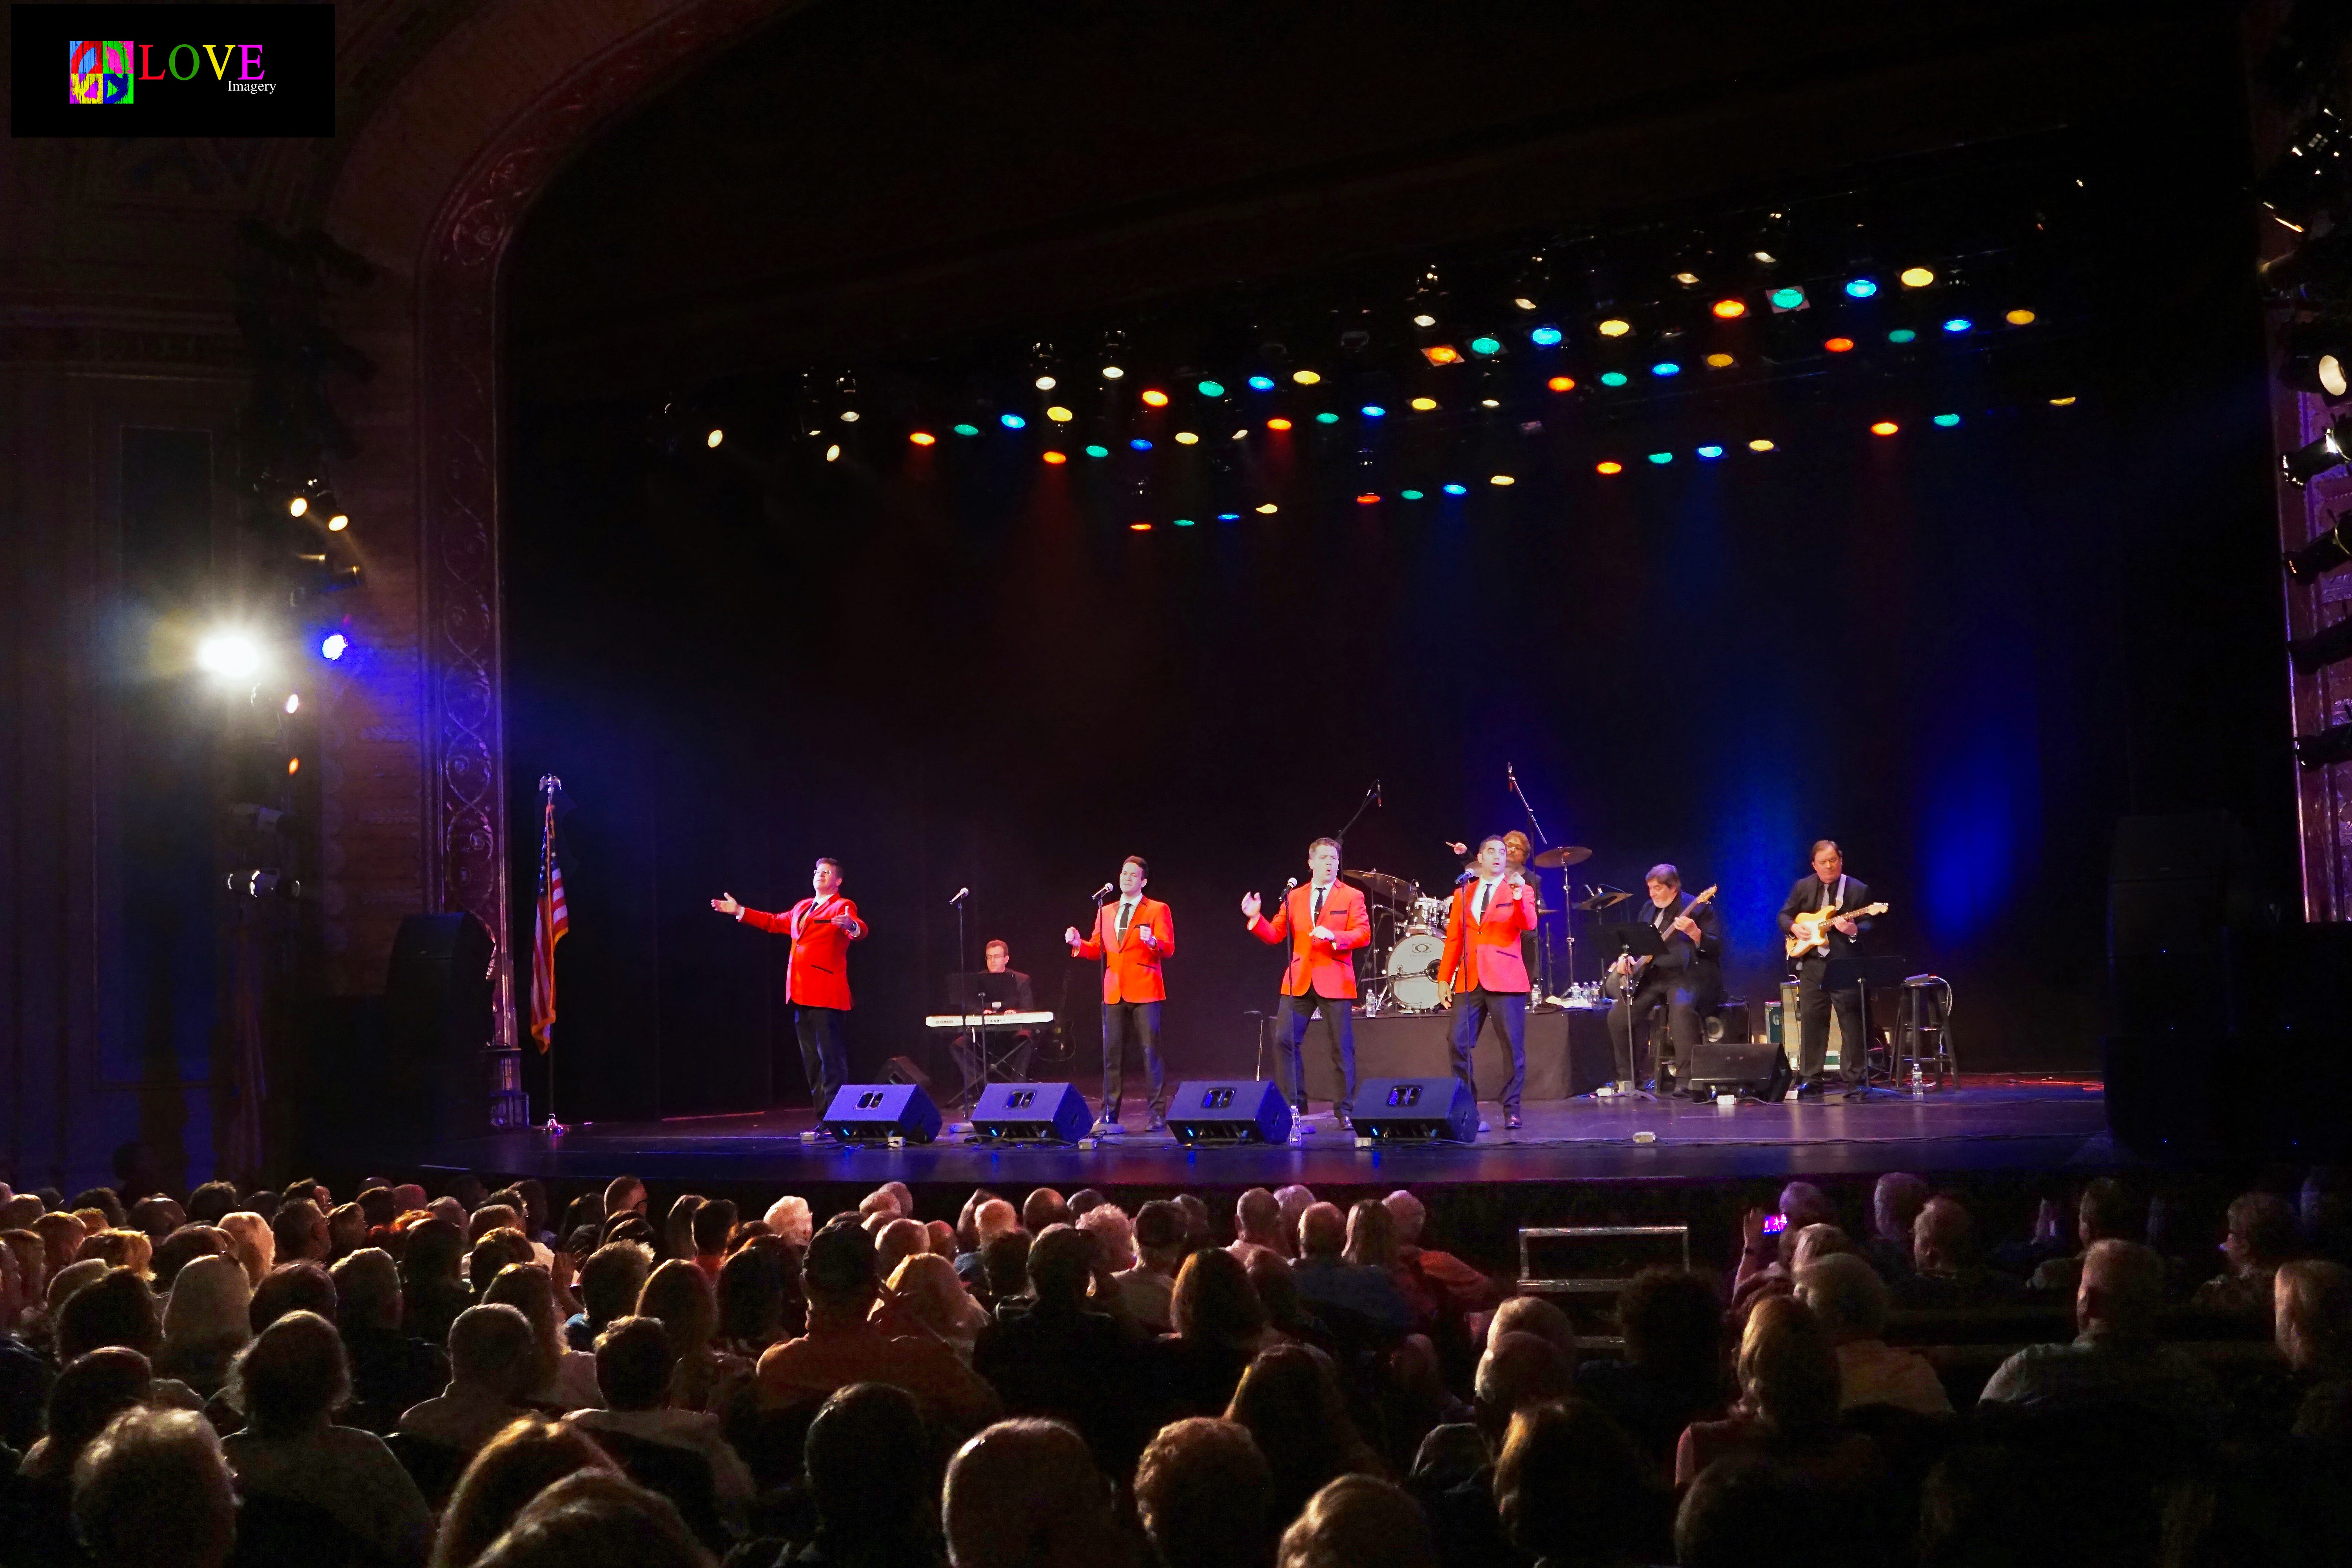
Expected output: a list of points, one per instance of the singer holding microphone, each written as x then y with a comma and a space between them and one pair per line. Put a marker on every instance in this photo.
1324, 922
1482, 964
1131, 937
816, 977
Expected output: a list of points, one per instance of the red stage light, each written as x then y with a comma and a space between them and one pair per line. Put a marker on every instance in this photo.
1609, 465
1730, 310
1367, 498
1055, 458
1839, 345
1155, 398
1562, 384
1278, 423
1139, 527
1884, 428
923, 438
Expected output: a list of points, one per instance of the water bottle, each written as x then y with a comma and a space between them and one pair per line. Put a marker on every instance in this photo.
1919, 1085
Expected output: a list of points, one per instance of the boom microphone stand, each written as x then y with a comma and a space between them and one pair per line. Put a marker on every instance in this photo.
1511, 777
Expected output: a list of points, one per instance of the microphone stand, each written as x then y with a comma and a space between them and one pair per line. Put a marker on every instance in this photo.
1371, 795
977, 1031
1511, 776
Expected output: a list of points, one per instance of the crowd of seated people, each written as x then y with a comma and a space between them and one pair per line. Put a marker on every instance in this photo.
417, 1380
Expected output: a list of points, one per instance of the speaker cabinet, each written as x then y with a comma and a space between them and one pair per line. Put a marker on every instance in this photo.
876, 1112
1229, 1111
1044, 1113
1737, 1067
1415, 1108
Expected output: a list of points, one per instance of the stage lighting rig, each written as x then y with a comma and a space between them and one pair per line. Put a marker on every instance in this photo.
2318, 358
2331, 745
2322, 555
229, 655
2317, 272
1426, 303
2308, 181
1532, 283
2315, 458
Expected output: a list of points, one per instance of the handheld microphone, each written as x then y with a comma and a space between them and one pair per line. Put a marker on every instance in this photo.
1290, 884
1100, 893
961, 894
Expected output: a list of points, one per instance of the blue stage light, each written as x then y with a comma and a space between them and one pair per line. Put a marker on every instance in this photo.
1861, 288
334, 647
1013, 421
1959, 324
1457, 490
1229, 517
1212, 389
1373, 411
1710, 451
1261, 384
1544, 337
1140, 445
1613, 378
1665, 367
1948, 420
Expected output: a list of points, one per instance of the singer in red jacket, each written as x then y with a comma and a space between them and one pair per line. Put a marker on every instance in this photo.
1324, 922
1131, 936
1482, 964
816, 977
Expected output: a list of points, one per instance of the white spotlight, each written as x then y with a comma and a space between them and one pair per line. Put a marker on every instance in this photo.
231, 656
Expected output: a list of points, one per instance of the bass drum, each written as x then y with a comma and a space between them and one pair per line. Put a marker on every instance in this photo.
1412, 973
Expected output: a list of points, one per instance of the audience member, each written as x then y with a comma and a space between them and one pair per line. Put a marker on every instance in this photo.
1204, 1494
1219, 1327
250, 1242
299, 1231
897, 1241
432, 1290
1789, 1403
521, 1460
1747, 1511
633, 1367
610, 1282
1895, 1204
1289, 1401
493, 1364
567, 1378
1259, 1222
1848, 1296
207, 1321
1026, 1494
1063, 1360
1359, 1521
1947, 1274
678, 1293
88, 1394
1571, 1489
115, 1309
873, 1481
183, 1246
2116, 1358
1004, 1264
757, 1298
1148, 1286
1444, 1276
1113, 1233
2104, 1213
1292, 1202
1329, 1283
1672, 1373
713, 1225
2261, 1237
1041, 1207
389, 1370
1519, 1370
152, 1490
304, 1287
925, 1298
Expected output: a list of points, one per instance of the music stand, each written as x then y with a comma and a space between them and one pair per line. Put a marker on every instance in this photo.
1881, 970
1637, 938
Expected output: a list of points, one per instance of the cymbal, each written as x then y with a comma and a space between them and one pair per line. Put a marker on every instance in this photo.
1599, 902
1381, 884
1566, 855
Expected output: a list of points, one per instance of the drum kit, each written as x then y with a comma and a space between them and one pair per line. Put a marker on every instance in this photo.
1408, 935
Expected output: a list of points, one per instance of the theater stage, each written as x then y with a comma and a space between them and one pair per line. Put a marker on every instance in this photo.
1986, 1125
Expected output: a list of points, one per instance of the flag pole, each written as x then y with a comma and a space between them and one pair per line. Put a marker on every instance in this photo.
548, 784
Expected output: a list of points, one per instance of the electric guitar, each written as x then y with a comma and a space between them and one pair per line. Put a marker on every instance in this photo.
1810, 933
1633, 966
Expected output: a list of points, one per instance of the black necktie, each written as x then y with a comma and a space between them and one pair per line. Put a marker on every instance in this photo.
1317, 914
1125, 909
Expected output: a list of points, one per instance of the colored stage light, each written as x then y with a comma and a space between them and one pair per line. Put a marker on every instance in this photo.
1278, 423
1424, 319
1098, 451
1367, 497
1665, 367
1212, 389
1141, 527
1609, 465
966, 429
1455, 490
1261, 384
1884, 428
1140, 445
924, 439
715, 436
1902, 335
1187, 439
293, 766
1613, 378
1485, 345
1839, 345
1155, 398
1789, 297
1545, 337
1229, 517
1112, 373
1958, 324
1241, 435
1614, 327
338, 522
1730, 310
1056, 459
1720, 362
1183, 523
333, 647
1423, 404
1045, 384
1060, 414
1372, 411
833, 454
298, 506
1327, 418
1561, 383
1918, 277
1268, 510
1306, 377
1861, 288
1662, 458
1501, 479
1948, 420
2065, 402
1013, 421
1442, 354
1410, 495
2019, 318
1759, 444
1710, 452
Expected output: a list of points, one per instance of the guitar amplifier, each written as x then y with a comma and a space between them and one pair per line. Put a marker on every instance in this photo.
1415, 1108
1053, 1112
1229, 1111
1737, 1067
876, 1112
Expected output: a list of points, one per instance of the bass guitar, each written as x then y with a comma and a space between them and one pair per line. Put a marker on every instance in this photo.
1810, 933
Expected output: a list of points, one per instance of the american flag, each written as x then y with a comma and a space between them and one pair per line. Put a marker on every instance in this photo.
548, 925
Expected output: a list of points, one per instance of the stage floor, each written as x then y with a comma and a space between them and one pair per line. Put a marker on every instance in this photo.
1993, 1123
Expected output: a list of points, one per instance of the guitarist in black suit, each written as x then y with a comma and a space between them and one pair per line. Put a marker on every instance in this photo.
1687, 978
1828, 887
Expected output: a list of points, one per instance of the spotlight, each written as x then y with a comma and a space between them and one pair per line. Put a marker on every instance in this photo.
1268, 510
1861, 288
1455, 490
1060, 414
923, 438
1501, 479
1720, 362
1098, 451
1730, 310
965, 429
1056, 458
1918, 277
718, 435
1327, 418
1759, 444
1141, 527
1839, 345
1902, 335
1229, 517
1372, 411
1442, 354
1409, 495
1241, 435
1183, 523
833, 454
298, 506
1787, 298
1523, 302
1423, 404
1710, 452
1045, 384
2308, 461
1154, 398
1140, 445
1662, 458
2065, 402
2323, 554
849, 416
1613, 378
1561, 383
1958, 324
1305, 377
338, 521
293, 766
1948, 420
1424, 319
1186, 438
1278, 423
1261, 384
293, 702
1884, 428
1665, 367
1212, 389
1545, 337
1112, 373
1013, 421
2318, 353
1609, 465
1368, 499
2019, 318
333, 646
231, 656
1613, 327
1489, 403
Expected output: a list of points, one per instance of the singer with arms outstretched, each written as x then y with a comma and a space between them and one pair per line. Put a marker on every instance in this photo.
1131, 936
816, 978
1324, 922
1482, 965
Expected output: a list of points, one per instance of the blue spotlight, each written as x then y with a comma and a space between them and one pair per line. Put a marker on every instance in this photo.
1140, 445
1861, 289
1662, 457
334, 647
1373, 411
1229, 517
1544, 337
1261, 384
1485, 345
1959, 324
1710, 451
1012, 421
1457, 490
1665, 367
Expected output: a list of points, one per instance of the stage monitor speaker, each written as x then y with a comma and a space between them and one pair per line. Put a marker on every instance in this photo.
1229, 1111
1415, 1108
438, 1019
1737, 1067
876, 1113
1043, 1111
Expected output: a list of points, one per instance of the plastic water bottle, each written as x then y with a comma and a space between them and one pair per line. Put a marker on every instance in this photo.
1918, 1084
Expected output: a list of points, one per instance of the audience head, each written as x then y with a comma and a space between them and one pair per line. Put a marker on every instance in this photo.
1004, 1263
152, 1489
838, 1272
210, 1305
493, 1250
92, 1390
2104, 1213
208, 1202
867, 1471
530, 1289
612, 1278
292, 1378
347, 1228
1940, 1236
1895, 1204
1113, 1233
251, 1242
367, 1292
1257, 1218
1846, 1294
992, 1219
623, 1194
1372, 1234
897, 1241
124, 1248
1269, 1275
1026, 1494
1322, 1231
1803, 1203
2121, 1293
1815, 1242
788, 1217
1083, 1201
1061, 1264
903, 1194
2311, 1316
431, 1251
299, 1230
1517, 1370
1160, 1231
176, 1251
492, 1353
1213, 1302
1789, 1370
1537, 1315
1359, 1521
927, 1290
104, 1201
61, 1235
156, 1216
304, 1287
1289, 1398
115, 1309
1292, 1202
67, 1282
1206, 1495
1571, 1488
1410, 1215
2261, 1233
677, 1231
1744, 1512
376, 1207
596, 1519
1041, 1207
714, 1222
525, 1458
751, 1294
635, 1365
678, 1294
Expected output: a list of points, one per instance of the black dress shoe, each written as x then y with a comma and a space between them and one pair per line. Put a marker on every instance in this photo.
1811, 1089
1511, 1121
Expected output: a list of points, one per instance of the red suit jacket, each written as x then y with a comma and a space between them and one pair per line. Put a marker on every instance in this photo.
1133, 973
1485, 954
818, 974
1322, 966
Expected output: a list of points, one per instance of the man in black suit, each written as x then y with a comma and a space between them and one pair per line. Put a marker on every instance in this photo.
1010, 1048
1828, 888
1687, 978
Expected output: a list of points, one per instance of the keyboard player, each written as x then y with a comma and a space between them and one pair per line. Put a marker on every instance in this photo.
1005, 990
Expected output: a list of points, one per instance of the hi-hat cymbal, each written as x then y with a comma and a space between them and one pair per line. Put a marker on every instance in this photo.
1599, 902
1566, 855
1380, 884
